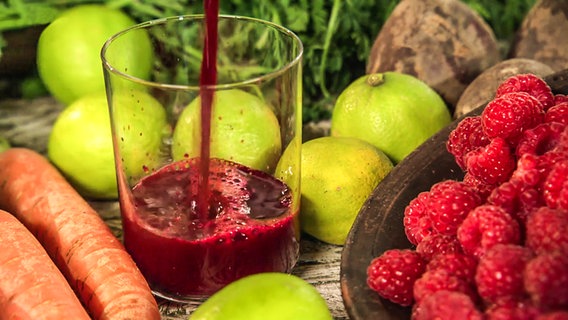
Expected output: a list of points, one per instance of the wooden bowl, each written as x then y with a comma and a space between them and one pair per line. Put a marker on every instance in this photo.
379, 227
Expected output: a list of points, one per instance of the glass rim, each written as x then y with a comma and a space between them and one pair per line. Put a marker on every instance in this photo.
281, 29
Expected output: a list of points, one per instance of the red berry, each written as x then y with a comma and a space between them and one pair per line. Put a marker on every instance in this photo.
546, 280
499, 275
521, 194
555, 187
449, 203
492, 164
559, 98
416, 222
557, 113
547, 231
481, 188
540, 139
392, 275
512, 310
485, 227
531, 84
436, 244
554, 315
439, 279
467, 136
446, 305
461, 265
507, 116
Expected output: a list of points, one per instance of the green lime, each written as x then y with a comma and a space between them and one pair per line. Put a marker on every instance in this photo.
393, 111
338, 175
68, 50
80, 143
244, 129
266, 296
141, 132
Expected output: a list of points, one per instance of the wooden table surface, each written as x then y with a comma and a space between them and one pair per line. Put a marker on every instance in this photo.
28, 123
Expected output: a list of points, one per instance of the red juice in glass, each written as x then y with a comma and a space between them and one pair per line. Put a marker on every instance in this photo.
253, 230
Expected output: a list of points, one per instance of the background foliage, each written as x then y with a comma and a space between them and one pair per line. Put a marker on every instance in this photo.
337, 34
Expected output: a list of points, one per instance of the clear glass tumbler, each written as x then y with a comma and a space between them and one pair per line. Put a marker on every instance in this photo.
209, 191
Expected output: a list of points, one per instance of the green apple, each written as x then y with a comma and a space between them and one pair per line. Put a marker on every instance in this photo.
244, 129
266, 296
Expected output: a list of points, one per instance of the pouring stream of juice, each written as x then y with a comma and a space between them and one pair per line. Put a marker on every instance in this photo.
208, 78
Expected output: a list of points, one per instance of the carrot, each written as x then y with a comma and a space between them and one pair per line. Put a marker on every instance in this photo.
31, 286
93, 260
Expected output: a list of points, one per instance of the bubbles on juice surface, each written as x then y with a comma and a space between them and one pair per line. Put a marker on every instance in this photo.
240, 198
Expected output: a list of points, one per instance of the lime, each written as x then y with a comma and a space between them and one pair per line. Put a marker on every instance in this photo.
68, 50
80, 143
141, 132
393, 111
266, 296
338, 175
288, 169
244, 129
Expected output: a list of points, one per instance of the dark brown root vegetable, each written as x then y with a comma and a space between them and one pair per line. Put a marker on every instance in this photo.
542, 35
482, 89
444, 43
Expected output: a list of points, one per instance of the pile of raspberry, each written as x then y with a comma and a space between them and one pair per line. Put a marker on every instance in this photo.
495, 244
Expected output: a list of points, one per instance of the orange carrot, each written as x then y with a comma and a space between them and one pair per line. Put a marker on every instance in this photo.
31, 286
93, 260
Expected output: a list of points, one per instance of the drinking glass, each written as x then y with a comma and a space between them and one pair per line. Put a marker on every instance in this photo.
208, 174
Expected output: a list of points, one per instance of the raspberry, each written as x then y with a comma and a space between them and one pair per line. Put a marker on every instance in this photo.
521, 194
512, 310
446, 305
555, 187
481, 188
557, 113
547, 231
559, 98
509, 115
540, 139
562, 145
492, 164
439, 279
458, 264
506, 196
546, 280
485, 227
553, 315
467, 136
392, 274
449, 203
528, 173
416, 222
531, 84
436, 244
499, 275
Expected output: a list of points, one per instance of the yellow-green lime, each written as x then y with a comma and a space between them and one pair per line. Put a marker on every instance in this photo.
68, 50
81, 145
393, 111
338, 175
244, 129
265, 296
